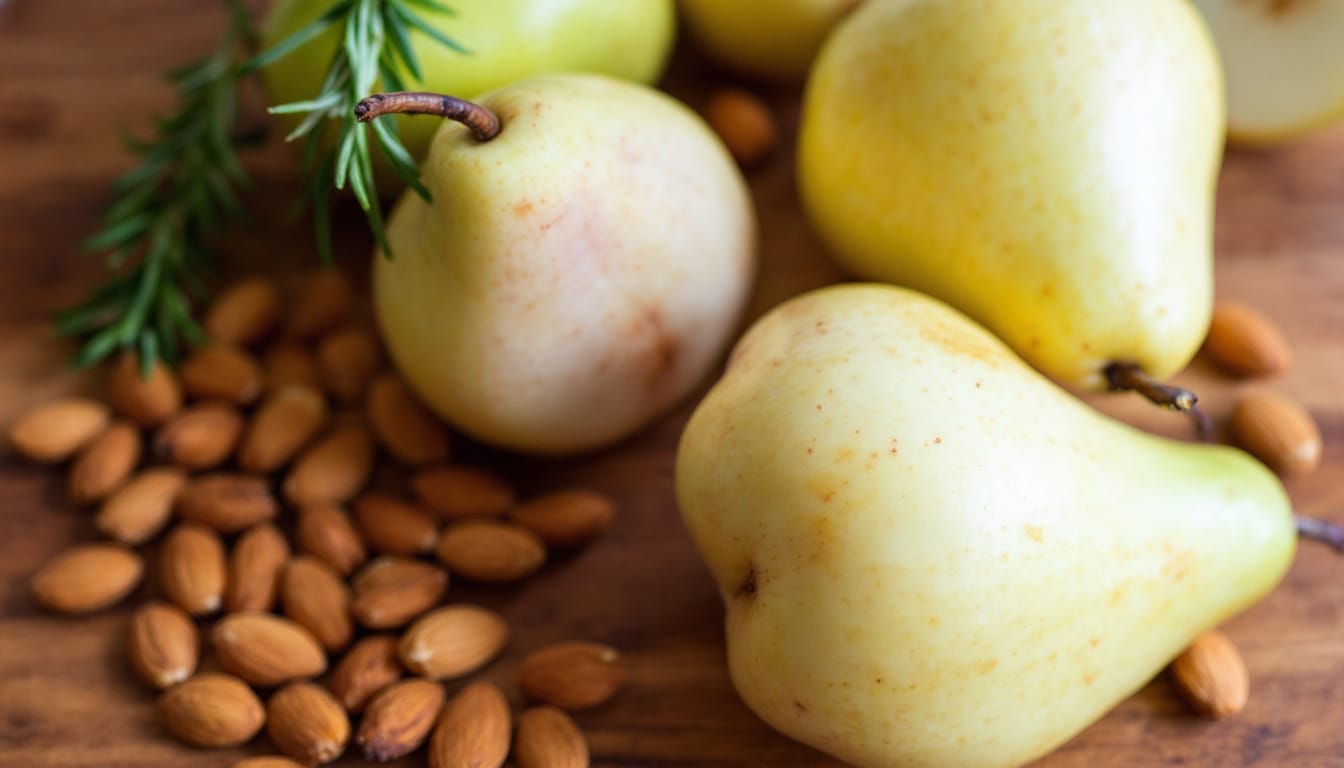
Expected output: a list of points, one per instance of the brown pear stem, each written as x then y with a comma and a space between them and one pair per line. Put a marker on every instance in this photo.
1322, 531
1128, 377
483, 123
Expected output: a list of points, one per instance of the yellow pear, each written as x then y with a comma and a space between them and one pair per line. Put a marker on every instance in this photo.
771, 39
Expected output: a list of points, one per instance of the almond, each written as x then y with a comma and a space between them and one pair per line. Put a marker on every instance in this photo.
212, 710
394, 527
290, 365
267, 650
744, 123
391, 591
87, 578
306, 723
324, 301
334, 469
254, 569
403, 426
267, 761
1278, 431
575, 675
548, 738
325, 532
138, 510
316, 596
490, 552
284, 423
369, 666
1246, 342
105, 463
347, 360
164, 646
398, 719
452, 641
221, 372
54, 431
145, 397
473, 730
226, 501
1212, 676
199, 437
244, 313
456, 492
565, 519
191, 568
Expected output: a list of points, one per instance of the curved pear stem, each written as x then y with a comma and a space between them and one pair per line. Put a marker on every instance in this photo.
483, 123
1128, 377
1321, 531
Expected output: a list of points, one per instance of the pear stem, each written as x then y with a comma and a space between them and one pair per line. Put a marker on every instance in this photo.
483, 123
1128, 377
1321, 531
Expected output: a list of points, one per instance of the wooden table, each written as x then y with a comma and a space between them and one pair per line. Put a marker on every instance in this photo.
72, 72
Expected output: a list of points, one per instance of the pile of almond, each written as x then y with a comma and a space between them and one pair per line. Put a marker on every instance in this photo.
248, 471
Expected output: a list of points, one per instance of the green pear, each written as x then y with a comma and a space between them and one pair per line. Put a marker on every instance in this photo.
772, 39
575, 275
930, 555
1046, 166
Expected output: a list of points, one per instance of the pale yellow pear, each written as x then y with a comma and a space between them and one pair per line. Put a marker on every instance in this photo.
770, 39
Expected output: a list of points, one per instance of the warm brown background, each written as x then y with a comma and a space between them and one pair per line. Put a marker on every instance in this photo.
73, 71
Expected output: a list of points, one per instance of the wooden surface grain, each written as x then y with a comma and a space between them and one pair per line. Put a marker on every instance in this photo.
73, 72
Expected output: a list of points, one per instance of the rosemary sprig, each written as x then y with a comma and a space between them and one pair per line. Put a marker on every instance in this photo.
184, 187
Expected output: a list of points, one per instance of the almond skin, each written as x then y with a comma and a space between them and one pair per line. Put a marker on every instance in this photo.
324, 301
164, 646
317, 597
397, 720
744, 123
221, 372
347, 360
473, 729
289, 364
254, 569
490, 552
333, 469
284, 423
368, 667
54, 431
105, 463
326, 533
548, 738
265, 649
243, 313
395, 527
391, 591
267, 761
575, 675
227, 502
138, 510
565, 519
200, 437
1211, 676
87, 578
1245, 342
212, 710
458, 492
452, 641
306, 723
404, 427
191, 568
148, 400
1278, 431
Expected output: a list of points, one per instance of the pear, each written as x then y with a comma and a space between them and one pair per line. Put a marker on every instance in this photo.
1046, 166
771, 39
930, 555
1284, 65
574, 275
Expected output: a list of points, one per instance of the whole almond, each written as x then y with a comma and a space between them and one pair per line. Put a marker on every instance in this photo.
286, 420
138, 510
145, 398
1246, 342
265, 649
164, 646
548, 738
267, 761
199, 437
325, 532
244, 313
212, 710
744, 123
456, 492
317, 597
221, 372
369, 666
490, 552
87, 578
1212, 676
324, 301
347, 360
575, 675
473, 731
105, 463
306, 723
54, 431
289, 364
1278, 431
191, 568
254, 569
333, 469
403, 426
391, 591
452, 641
395, 527
397, 720
565, 519
226, 501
